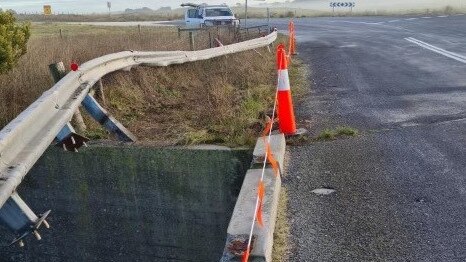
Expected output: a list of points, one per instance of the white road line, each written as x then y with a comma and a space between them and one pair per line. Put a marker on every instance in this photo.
353, 22
437, 50
426, 17
393, 21
442, 16
410, 19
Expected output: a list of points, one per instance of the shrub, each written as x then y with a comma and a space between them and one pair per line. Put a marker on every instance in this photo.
290, 14
13, 40
449, 10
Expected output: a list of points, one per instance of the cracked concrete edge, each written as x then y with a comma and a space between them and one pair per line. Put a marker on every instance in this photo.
240, 223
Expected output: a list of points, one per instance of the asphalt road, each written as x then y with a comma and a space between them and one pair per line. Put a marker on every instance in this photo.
401, 184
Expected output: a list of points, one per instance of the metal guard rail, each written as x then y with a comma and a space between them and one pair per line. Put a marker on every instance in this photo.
25, 139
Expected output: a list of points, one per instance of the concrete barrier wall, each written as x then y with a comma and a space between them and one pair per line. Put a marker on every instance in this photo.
241, 221
132, 204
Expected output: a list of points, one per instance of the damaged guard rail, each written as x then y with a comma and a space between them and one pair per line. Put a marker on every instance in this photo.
25, 139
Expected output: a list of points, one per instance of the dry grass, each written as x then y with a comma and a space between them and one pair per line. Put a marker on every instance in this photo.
21, 86
125, 17
218, 101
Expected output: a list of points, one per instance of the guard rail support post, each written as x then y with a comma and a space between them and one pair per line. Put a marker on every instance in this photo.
191, 40
17, 216
67, 138
58, 71
79, 121
100, 92
106, 120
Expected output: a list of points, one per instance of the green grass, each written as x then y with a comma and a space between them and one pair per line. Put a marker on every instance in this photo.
347, 131
341, 131
197, 137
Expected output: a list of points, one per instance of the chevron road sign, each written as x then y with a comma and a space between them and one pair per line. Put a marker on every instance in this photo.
342, 4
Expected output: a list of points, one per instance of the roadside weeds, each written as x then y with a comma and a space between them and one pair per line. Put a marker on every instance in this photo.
282, 229
341, 131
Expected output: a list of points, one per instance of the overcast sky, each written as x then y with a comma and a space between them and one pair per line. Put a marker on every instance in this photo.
90, 6
101, 5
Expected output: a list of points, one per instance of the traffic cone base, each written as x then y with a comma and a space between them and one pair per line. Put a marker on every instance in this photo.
287, 124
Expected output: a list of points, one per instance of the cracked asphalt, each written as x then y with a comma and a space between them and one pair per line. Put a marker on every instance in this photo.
401, 184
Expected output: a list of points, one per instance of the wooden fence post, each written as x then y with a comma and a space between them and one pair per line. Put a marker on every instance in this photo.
191, 40
100, 92
210, 40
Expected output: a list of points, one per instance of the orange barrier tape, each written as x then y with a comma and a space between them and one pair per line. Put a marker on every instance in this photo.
272, 160
261, 190
268, 127
260, 221
260, 195
245, 257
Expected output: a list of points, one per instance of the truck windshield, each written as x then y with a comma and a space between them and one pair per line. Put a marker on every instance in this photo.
218, 12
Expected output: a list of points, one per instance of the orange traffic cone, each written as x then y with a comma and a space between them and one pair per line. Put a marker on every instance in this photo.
286, 118
292, 39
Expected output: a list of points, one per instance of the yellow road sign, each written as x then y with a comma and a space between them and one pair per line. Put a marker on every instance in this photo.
47, 10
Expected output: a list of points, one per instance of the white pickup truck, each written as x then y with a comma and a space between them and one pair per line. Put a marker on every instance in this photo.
209, 15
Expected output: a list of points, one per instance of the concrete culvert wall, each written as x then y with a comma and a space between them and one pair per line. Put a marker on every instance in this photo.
131, 204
